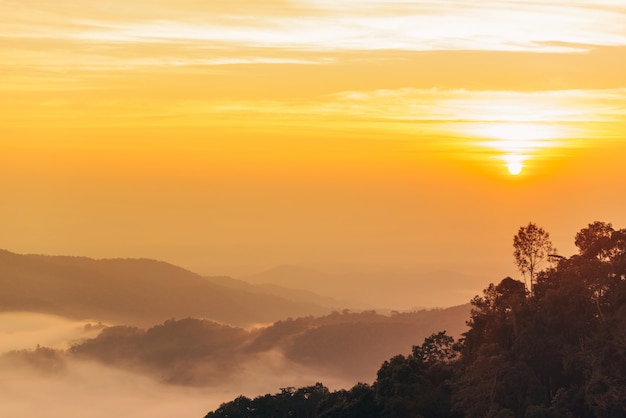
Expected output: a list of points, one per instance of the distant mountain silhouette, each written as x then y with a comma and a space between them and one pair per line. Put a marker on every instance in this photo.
138, 292
286, 274
377, 286
284, 291
355, 344
308, 279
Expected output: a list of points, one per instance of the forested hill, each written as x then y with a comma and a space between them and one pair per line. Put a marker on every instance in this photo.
554, 349
348, 346
131, 291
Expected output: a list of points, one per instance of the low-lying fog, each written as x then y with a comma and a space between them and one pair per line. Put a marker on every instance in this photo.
62, 386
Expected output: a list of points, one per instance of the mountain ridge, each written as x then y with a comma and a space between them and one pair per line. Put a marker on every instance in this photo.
131, 291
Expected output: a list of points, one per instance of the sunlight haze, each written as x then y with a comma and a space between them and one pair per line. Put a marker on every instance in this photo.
231, 137
211, 200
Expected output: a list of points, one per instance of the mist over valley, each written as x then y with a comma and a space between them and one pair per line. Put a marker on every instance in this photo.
139, 337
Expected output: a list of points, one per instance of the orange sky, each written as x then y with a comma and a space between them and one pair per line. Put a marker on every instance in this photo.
253, 134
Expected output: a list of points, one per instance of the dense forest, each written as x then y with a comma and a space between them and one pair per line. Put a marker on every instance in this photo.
552, 347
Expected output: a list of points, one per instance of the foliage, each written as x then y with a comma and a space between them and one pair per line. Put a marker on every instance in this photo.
290, 402
188, 351
346, 345
556, 352
532, 246
44, 359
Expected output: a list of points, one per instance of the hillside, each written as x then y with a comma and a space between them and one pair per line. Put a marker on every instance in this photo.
555, 347
138, 292
403, 288
284, 291
347, 346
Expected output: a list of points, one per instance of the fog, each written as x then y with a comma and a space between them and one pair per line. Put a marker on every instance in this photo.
63, 386
20, 330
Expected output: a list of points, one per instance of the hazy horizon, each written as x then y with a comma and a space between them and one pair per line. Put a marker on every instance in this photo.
381, 153
213, 134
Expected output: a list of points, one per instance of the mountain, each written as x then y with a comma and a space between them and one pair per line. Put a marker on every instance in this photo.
346, 346
138, 292
295, 295
380, 287
353, 345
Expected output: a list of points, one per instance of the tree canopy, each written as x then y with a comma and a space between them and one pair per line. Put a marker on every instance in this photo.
532, 246
556, 352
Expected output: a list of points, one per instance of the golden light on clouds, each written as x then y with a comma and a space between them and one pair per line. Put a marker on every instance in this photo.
246, 108
554, 26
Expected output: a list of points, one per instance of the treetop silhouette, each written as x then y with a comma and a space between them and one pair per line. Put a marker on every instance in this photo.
532, 246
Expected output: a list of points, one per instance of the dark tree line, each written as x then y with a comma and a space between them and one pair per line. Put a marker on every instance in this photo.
557, 350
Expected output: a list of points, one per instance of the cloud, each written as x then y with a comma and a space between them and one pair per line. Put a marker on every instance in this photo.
46, 382
95, 32
89, 389
427, 115
86, 388
126, 48
25, 330
429, 110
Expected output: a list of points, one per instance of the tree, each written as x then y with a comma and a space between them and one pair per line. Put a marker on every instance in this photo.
438, 348
495, 317
419, 385
358, 402
591, 241
601, 262
532, 246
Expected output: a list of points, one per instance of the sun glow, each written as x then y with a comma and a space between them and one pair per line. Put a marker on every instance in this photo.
514, 163
520, 135
515, 143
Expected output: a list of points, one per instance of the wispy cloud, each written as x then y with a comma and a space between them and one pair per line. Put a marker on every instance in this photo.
124, 50
320, 25
434, 105
83, 45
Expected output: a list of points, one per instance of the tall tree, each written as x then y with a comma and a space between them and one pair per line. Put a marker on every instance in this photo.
532, 246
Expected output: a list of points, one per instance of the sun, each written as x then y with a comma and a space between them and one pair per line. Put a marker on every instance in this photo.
515, 167
514, 163
515, 143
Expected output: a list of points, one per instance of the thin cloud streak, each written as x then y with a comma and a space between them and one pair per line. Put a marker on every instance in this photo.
326, 26
436, 106
430, 108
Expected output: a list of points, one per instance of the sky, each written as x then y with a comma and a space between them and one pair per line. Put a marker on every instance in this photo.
233, 136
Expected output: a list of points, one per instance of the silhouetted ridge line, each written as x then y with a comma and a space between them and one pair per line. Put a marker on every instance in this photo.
131, 291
